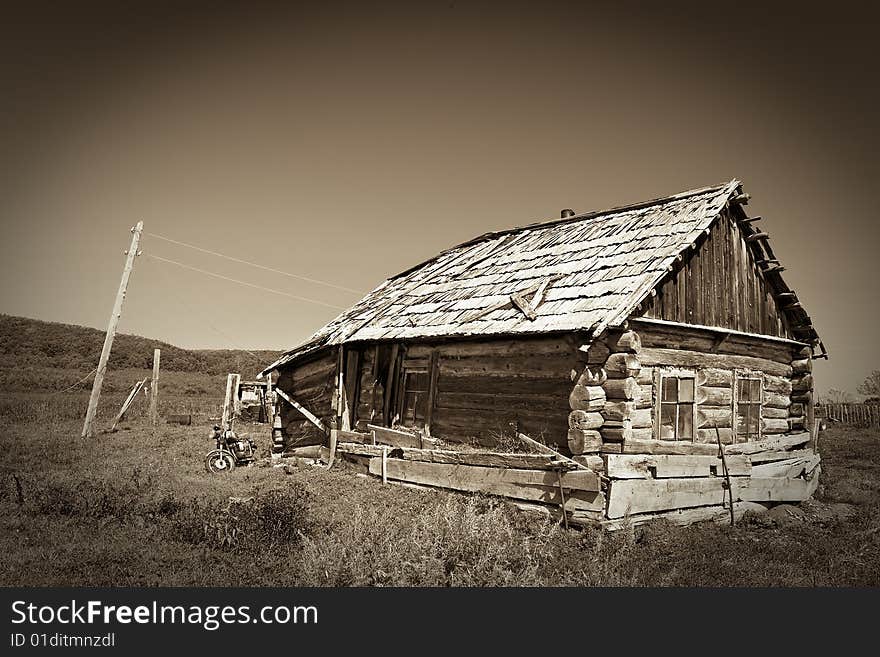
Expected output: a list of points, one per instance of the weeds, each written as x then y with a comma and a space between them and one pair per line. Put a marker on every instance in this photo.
137, 508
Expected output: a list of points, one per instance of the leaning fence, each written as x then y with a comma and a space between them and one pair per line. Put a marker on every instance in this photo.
859, 415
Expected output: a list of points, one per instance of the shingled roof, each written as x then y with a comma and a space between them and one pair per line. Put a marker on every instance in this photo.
591, 271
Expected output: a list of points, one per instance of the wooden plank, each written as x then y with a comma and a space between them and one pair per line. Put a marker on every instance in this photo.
354, 437
779, 455
701, 337
394, 437
655, 356
433, 374
311, 417
644, 446
682, 517
778, 489
486, 459
786, 468
662, 466
534, 485
127, 403
770, 444
631, 496
226, 416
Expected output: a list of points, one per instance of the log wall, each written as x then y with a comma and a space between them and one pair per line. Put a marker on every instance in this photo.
312, 384
685, 480
481, 388
484, 387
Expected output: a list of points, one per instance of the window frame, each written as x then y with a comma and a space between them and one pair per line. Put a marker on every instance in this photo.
679, 374
747, 375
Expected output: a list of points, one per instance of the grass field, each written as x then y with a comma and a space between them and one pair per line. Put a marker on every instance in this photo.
136, 508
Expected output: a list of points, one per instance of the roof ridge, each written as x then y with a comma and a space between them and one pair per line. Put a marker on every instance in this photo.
578, 217
598, 213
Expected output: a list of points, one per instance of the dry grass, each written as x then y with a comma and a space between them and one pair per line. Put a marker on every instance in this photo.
137, 508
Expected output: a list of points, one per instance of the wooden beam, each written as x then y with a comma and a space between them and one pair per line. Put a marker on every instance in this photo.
750, 220
523, 306
486, 459
503, 304
532, 485
715, 329
681, 517
754, 237
663, 466
770, 444
302, 409
433, 375
630, 496
154, 389
115, 314
127, 403
226, 419
547, 450
775, 489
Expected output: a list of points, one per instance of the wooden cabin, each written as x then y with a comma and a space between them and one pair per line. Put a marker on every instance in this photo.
633, 340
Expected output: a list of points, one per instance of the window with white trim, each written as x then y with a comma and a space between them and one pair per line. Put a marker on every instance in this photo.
747, 412
676, 406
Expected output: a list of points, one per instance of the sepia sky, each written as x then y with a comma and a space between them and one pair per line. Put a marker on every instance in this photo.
348, 141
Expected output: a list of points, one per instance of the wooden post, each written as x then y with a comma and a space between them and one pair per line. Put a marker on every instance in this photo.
154, 390
227, 402
342, 412
88, 431
236, 398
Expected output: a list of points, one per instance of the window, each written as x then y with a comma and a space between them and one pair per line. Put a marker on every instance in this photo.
677, 406
748, 407
415, 398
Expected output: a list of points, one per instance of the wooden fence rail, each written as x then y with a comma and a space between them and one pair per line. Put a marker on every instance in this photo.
860, 415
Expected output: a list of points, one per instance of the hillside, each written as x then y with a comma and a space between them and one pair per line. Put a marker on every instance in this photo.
34, 344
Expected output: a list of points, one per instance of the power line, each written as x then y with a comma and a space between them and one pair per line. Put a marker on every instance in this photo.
58, 392
254, 264
206, 320
235, 280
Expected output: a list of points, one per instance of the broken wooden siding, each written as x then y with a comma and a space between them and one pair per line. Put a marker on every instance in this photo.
720, 284
476, 389
312, 384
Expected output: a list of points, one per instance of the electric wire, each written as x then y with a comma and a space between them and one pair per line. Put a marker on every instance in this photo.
235, 280
254, 264
216, 329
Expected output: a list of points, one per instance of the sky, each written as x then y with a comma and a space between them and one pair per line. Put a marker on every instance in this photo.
346, 142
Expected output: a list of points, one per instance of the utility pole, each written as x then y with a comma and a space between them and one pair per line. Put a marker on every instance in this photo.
87, 431
154, 390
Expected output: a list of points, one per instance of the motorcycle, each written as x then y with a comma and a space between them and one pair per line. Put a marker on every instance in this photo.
230, 452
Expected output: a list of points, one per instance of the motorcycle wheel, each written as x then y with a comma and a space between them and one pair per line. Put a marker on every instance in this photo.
218, 462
